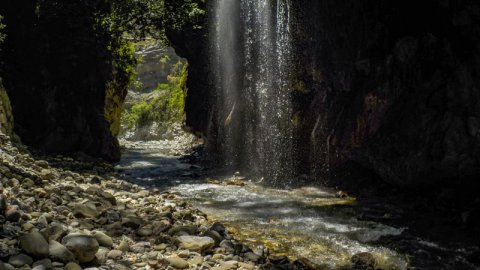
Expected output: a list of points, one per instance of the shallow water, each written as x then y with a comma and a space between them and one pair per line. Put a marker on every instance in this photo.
309, 222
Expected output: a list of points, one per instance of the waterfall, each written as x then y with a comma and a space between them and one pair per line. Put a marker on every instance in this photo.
252, 47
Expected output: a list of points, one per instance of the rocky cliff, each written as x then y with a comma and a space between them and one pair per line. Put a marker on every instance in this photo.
65, 84
391, 87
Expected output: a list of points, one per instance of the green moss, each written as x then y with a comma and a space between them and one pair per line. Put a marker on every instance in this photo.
123, 76
6, 116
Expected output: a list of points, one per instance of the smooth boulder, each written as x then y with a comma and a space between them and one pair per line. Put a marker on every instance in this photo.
34, 244
83, 246
195, 243
60, 252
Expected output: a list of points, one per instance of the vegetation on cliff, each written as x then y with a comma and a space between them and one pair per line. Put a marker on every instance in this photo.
163, 107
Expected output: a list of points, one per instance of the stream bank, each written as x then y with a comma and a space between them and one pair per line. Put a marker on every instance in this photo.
320, 224
65, 213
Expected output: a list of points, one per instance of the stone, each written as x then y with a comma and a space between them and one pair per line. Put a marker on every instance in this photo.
214, 235
20, 260
103, 239
115, 254
55, 232
57, 265
218, 227
84, 211
72, 266
3, 204
144, 232
47, 174
189, 229
363, 261
101, 256
83, 246
140, 247
109, 197
177, 262
195, 243
45, 263
12, 213
34, 244
250, 256
60, 252
124, 246
132, 222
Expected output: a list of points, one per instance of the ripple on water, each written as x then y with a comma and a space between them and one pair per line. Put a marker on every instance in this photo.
307, 222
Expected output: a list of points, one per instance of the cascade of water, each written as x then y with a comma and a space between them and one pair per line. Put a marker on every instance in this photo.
252, 55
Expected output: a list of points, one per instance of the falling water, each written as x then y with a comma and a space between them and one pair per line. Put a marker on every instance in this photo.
252, 59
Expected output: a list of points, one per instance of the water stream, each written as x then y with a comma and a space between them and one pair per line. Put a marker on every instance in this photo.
309, 222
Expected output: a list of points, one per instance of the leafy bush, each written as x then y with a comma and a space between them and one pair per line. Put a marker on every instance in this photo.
165, 108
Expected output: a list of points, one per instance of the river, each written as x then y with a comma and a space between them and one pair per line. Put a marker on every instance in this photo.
311, 222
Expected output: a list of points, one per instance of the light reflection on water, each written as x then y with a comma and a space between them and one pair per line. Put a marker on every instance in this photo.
306, 222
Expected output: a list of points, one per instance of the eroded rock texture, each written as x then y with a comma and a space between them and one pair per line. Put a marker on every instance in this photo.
390, 86
56, 68
396, 84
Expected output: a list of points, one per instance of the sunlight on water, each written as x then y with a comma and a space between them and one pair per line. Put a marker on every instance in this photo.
307, 222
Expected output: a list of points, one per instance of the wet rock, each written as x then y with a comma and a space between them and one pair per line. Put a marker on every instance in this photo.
218, 227
84, 247
177, 262
214, 235
20, 260
304, 263
34, 244
252, 257
195, 243
60, 252
363, 261
103, 239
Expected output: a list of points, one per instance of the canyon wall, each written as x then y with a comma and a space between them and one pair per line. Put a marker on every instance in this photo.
392, 87
64, 82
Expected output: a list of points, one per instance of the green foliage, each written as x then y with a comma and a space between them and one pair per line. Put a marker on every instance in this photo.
165, 108
184, 13
137, 18
124, 62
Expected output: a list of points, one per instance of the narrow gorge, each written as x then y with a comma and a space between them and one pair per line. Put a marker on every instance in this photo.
239, 134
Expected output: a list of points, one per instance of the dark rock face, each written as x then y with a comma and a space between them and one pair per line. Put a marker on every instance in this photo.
393, 87
56, 68
190, 41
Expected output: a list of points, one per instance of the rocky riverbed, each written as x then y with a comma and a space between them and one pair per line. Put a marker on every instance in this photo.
64, 213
